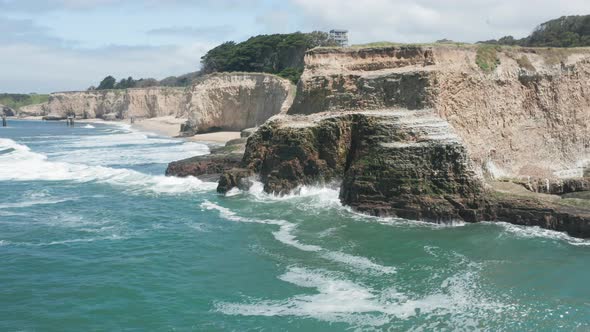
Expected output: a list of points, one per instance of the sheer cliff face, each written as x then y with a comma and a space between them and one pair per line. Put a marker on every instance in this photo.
232, 101
529, 117
517, 122
236, 101
120, 104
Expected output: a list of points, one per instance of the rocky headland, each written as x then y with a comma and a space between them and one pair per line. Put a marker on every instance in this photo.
429, 133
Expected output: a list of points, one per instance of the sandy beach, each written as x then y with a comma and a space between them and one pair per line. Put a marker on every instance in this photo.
170, 126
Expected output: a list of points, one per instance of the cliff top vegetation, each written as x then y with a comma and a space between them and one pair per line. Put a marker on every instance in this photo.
15, 101
566, 31
280, 54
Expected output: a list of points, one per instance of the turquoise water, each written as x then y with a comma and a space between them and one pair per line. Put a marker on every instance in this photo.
92, 237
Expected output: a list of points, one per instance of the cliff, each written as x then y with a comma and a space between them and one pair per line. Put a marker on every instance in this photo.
230, 101
528, 117
111, 104
236, 101
421, 132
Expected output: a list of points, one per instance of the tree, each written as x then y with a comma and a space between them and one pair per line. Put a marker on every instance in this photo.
107, 83
566, 31
126, 83
280, 54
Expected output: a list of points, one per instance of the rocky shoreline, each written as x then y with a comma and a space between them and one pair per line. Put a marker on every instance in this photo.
382, 122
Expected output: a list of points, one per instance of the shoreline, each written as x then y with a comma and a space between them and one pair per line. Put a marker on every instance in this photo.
168, 126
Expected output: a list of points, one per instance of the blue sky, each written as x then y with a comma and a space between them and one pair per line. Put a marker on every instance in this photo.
59, 45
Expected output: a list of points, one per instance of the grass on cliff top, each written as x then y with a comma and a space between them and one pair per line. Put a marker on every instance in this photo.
16, 101
487, 58
382, 44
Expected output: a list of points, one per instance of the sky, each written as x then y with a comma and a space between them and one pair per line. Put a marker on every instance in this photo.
65, 45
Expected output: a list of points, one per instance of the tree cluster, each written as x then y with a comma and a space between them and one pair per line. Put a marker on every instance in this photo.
111, 83
566, 31
280, 54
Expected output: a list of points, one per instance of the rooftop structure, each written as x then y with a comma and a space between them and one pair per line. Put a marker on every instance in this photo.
340, 37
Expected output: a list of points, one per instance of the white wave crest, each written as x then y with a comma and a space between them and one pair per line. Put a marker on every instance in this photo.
538, 232
326, 196
358, 262
21, 164
89, 126
134, 156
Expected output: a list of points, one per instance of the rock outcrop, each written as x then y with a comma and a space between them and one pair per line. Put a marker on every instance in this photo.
211, 166
6, 110
415, 132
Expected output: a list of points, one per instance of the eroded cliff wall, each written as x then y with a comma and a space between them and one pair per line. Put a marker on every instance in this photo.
233, 101
116, 104
529, 117
228, 101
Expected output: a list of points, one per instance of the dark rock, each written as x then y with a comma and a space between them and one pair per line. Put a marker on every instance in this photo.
212, 165
54, 118
390, 168
7, 111
236, 178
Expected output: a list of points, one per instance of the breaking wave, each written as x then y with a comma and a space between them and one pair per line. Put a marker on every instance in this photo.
21, 164
530, 232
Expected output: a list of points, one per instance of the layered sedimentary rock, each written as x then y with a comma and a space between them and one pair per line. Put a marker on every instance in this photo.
236, 101
415, 132
229, 101
118, 104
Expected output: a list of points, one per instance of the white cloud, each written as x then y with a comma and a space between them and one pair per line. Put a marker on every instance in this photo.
39, 68
429, 20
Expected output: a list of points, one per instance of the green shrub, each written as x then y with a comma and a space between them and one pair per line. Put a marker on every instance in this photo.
487, 58
17, 101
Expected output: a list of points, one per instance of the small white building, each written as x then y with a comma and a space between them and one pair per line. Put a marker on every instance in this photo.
340, 37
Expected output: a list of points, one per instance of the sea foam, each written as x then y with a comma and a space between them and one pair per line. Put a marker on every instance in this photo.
21, 164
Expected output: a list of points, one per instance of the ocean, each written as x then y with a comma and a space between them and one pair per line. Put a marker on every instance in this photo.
93, 237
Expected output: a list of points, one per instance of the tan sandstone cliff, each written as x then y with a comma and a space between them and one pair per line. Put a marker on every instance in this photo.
519, 120
236, 101
230, 101
419, 131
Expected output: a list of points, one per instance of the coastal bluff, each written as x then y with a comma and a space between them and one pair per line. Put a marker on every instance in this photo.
222, 101
427, 133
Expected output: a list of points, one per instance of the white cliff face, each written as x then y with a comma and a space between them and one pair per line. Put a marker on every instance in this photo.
236, 101
229, 101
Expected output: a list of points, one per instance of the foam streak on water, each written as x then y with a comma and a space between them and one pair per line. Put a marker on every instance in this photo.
286, 235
